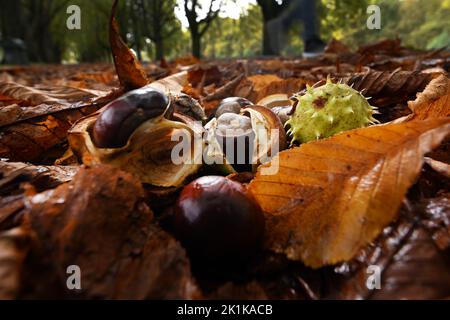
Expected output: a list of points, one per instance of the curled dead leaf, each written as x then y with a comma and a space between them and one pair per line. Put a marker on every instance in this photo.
434, 101
332, 197
438, 166
387, 88
172, 84
129, 70
60, 95
250, 86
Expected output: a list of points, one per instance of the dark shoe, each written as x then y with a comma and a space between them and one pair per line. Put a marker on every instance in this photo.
314, 48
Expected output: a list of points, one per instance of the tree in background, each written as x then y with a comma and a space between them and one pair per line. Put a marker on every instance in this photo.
159, 22
229, 37
422, 24
33, 21
198, 26
91, 43
148, 26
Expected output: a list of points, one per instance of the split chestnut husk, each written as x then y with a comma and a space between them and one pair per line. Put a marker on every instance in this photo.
148, 150
242, 141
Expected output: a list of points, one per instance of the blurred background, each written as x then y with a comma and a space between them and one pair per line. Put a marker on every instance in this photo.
35, 31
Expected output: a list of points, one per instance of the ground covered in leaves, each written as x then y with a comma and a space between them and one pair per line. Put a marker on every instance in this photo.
372, 196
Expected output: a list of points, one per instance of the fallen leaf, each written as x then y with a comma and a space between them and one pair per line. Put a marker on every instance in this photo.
54, 95
250, 86
172, 84
100, 222
411, 266
389, 46
438, 166
224, 91
31, 139
204, 74
129, 70
14, 246
389, 88
332, 197
12, 174
434, 101
289, 86
437, 219
337, 47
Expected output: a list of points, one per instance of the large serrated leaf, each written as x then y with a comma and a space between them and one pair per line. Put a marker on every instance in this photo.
332, 197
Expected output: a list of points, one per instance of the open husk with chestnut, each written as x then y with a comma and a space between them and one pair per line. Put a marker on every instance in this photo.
134, 133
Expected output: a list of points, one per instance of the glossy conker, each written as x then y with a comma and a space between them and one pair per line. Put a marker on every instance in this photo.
217, 219
232, 105
123, 116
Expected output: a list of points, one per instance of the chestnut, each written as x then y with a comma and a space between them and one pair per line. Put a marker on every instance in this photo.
123, 116
283, 113
232, 105
217, 219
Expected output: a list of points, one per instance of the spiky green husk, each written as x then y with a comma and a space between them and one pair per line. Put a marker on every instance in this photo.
327, 110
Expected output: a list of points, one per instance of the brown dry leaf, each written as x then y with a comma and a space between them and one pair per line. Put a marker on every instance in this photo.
434, 101
411, 263
389, 87
61, 95
332, 197
389, 46
130, 72
204, 74
172, 84
337, 47
224, 91
100, 222
437, 219
12, 174
40, 117
14, 246
288, 86
438, 166
250, 86
31, 139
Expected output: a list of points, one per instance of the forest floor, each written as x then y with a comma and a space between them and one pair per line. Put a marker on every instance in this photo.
372, 196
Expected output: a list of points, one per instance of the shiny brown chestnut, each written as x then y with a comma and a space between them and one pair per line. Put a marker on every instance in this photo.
123, 116
232, 105
283, 113
217, 219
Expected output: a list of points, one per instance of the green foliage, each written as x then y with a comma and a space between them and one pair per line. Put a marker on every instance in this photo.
149, 27
91, 43
422, 24
235, 38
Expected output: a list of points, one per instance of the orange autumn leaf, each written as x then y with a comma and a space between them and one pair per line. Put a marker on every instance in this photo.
434, 101
332, 197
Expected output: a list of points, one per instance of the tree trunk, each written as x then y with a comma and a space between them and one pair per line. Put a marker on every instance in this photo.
159, 49
196, 45
136, 33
